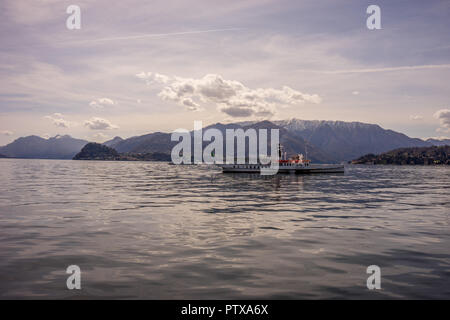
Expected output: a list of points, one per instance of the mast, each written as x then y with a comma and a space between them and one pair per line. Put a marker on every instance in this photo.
306, 151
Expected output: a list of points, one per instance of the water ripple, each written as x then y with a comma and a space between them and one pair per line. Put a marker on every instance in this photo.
151, 230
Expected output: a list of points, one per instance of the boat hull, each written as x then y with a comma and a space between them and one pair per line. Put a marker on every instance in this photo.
294, 169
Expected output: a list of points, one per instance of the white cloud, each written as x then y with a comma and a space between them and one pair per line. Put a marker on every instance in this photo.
100, 137
154, 35
99, 124
415, 117
230, 96
6, 133
57, 119
401, 68
443, 116
101, 103
355, 93
151, 77
438, 138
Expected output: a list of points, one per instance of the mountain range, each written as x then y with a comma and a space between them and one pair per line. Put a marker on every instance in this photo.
97, 151
436, 142
347, 140
323, 141
161, 142
35, 147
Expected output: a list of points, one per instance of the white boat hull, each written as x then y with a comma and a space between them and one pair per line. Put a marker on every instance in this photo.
286, 168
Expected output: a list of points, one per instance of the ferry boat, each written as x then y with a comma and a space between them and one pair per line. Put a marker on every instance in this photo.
296, 165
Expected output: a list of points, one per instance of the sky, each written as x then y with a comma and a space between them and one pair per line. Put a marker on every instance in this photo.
136, 67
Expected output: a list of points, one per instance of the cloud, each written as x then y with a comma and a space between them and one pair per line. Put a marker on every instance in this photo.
100, 136
415, 117
57, 119
101, 103
6, 133
230, 96
438, 138
443, 116
99, 124
388, 69
355, 93
30, 13
151, 77
152, 35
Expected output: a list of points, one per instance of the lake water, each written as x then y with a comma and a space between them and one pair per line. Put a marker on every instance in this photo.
153, 230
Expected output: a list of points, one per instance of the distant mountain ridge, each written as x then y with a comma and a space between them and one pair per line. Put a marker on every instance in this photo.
97, 151
111, 143
324, 141
347, 140
161, 142
293, 144
436, 142
35, 147
152, 142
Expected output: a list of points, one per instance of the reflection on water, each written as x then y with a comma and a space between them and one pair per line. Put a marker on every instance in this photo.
151, 230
